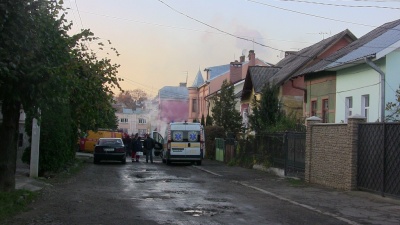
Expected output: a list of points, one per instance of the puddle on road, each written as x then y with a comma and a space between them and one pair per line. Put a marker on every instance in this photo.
178, 192
199, 211
216, 199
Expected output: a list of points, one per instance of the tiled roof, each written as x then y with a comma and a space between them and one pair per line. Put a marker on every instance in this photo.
256, 78
295, 61
169, 92
260, 75
370, 44
198, 80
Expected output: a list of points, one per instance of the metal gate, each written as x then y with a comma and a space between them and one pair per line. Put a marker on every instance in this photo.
379, 158
295, 145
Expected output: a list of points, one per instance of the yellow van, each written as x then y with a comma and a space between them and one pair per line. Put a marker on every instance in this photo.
184, 142
87, 143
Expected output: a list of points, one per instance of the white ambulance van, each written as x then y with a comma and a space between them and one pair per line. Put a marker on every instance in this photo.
184, 142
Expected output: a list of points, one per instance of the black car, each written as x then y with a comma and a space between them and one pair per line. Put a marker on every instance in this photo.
109, 149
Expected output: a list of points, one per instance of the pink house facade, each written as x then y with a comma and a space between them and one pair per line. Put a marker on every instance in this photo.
234, 72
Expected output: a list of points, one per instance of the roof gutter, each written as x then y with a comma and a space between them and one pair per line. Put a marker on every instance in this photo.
382, 74
300, 88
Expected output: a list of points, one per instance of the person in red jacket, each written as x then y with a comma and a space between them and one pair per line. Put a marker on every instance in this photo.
136, 147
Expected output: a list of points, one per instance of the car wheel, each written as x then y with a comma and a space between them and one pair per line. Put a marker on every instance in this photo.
168, 162
95, 160
123, 160
164, 161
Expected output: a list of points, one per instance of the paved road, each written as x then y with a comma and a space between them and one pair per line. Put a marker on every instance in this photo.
141, 193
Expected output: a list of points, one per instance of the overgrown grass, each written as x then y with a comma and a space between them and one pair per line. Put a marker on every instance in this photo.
296, 182
14, 202
69, 171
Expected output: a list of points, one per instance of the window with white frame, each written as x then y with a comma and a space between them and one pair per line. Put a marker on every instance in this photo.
124, 120
142, 121
349, 107
365, 105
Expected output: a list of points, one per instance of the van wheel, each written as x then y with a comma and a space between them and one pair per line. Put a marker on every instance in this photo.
164, 161
168, 162
198, 163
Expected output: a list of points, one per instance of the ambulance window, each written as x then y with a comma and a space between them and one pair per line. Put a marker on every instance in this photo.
177, 136
193, 136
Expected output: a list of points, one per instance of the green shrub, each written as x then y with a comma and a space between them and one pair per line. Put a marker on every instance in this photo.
212, 132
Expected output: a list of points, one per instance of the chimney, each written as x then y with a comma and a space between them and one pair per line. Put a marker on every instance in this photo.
242, 58
208, 75
235, 73
252, 58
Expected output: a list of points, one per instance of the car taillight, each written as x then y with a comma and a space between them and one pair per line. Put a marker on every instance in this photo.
119, 149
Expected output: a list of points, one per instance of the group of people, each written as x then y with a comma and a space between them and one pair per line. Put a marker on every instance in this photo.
147, 147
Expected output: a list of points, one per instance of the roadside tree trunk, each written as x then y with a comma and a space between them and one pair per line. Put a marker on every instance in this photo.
8, 144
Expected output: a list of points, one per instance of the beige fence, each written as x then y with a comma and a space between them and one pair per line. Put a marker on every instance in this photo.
331, 153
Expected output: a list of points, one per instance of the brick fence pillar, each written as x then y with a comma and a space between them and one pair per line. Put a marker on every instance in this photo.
308, 157
352, 126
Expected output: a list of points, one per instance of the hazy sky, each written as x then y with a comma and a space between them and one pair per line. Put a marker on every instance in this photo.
162, 42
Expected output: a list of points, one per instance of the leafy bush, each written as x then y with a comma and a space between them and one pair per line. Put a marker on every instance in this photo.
212, 132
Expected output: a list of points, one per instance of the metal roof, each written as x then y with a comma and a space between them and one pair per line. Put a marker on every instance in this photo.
295, 61
198, 80
170, 92
381, 42
370, 44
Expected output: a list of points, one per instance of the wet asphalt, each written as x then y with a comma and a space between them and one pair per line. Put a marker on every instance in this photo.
349, 207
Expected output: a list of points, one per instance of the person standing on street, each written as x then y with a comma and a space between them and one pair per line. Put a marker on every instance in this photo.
136, 147
149, 145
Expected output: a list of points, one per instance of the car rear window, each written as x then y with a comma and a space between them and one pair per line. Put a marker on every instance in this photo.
185, 136
110, 142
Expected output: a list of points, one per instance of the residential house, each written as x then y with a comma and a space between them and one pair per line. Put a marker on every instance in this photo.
234, 72
256, 78
358, 79
132, 122
173, 104
292, 88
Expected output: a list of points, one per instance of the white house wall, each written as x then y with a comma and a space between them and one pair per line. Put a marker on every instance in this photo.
392, 75
355, 82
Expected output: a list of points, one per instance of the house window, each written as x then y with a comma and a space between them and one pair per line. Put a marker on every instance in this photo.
349, 108
365, 105
142, 121
325, 111
313, 108
124, 120
194, 105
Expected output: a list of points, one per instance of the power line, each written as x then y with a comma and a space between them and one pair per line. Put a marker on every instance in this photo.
80, 18
308, 14
255, 42
342, 5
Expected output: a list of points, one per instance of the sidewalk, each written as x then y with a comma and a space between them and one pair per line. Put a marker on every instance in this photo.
351, 207
23, 181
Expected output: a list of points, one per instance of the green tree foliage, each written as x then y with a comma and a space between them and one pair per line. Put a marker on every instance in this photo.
394, 109
42, 67
267, 115
209, 120
212, 132
132, 98
224, 112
